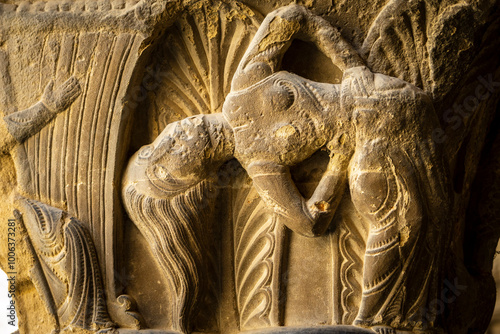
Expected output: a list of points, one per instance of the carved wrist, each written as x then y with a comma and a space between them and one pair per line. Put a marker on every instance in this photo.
258, 168
24, 124
50, 107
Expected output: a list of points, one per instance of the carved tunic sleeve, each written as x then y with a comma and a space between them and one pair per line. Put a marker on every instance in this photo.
307, 217
7, 141
24, 124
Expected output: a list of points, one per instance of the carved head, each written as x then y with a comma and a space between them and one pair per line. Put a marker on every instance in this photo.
185, 153
181, 152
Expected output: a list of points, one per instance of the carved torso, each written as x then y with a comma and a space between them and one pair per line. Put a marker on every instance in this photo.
278, 119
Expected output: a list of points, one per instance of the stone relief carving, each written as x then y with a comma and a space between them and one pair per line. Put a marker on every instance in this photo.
68, 273
378, 132
65, 270
168, 193
19, 126
282, 167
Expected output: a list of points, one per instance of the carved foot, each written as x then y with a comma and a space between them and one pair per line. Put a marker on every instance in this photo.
384, 330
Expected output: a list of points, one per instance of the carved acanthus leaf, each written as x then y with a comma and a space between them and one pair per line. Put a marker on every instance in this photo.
199, 58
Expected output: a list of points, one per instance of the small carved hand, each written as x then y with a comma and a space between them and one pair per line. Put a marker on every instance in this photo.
58, 100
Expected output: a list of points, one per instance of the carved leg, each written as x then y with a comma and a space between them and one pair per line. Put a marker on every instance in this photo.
375, 195
393, 292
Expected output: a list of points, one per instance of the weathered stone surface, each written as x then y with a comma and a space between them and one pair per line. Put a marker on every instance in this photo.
223, 166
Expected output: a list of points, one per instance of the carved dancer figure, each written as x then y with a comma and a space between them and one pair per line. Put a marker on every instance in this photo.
169, 194
71, 282
378, 131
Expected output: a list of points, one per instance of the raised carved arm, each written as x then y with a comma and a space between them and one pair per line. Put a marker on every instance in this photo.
274, 37
329, 191
19, 126
306, 217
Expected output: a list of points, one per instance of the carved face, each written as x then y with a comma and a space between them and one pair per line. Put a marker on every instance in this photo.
279, 119
180, 151
185, 153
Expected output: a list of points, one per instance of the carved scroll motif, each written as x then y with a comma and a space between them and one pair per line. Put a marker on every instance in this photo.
348, 243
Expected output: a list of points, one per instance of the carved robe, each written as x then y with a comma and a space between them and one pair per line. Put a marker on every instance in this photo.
69, 262
398, 182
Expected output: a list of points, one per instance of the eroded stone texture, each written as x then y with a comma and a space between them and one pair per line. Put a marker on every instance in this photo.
222, 166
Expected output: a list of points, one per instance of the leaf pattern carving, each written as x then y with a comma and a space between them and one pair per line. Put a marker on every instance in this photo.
198, 59
258, 249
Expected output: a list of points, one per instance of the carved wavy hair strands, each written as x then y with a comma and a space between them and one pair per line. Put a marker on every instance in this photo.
178, 230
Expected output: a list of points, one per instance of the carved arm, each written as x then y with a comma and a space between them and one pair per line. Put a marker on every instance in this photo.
275, 36
19, 126
306, 217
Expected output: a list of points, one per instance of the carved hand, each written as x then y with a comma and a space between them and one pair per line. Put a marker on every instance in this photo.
58, 100
19, 220
327, 195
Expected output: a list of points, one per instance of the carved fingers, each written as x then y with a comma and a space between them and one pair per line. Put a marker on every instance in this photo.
59, 99
384, 330
18, 216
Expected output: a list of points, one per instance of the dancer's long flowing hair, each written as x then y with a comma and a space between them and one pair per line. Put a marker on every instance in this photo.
179, 232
